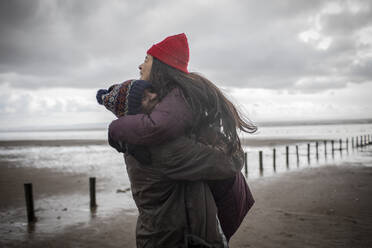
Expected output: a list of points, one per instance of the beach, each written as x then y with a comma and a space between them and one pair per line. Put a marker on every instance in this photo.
310, 199
316, 207
328, 206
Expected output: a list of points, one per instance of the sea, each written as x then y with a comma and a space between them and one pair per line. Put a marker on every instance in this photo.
87, 152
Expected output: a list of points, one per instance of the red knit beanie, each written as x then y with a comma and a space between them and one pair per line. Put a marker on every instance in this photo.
173, 51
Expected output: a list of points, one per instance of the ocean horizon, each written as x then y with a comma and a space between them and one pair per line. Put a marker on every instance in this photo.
314, 129
104, 125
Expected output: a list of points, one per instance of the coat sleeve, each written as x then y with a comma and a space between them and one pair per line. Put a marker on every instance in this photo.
168, 120
186, 159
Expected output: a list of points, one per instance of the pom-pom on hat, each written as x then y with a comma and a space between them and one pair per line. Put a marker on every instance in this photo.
173, 51
125, 98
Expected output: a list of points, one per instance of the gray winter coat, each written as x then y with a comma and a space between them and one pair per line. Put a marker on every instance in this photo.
176, 206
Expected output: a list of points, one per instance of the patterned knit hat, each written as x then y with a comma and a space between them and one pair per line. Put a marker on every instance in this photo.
173, 51
125, 98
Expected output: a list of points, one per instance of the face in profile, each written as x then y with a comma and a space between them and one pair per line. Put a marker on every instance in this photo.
149, 101
145, 68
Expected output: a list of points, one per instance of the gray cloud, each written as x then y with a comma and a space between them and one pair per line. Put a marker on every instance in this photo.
346, 23
28, 104
250, 44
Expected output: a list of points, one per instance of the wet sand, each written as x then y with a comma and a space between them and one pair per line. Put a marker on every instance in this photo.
46, 182
316, 207
328, 206
62, 223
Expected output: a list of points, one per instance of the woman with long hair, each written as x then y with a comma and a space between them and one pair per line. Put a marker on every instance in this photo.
210, 108
178, 180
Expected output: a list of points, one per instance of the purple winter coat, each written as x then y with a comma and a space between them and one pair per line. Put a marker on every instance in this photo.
233, 200
169, 119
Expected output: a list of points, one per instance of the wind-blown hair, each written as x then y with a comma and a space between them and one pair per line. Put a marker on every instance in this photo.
209, 106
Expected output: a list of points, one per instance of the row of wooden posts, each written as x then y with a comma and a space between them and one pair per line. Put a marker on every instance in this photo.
31, 218
358, 142
363, 141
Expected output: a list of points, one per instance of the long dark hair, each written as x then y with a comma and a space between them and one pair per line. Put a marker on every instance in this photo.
209, 106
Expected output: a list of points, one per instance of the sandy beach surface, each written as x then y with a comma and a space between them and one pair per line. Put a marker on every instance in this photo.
316, 207
325, 206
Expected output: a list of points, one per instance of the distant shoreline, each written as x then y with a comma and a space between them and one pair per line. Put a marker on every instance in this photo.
65, 142
52, 130
315, 122
104, 126
252, 142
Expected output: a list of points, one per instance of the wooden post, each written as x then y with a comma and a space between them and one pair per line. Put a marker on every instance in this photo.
325, 149
340, 145
29, 203
352, 142
317, 151
357, 143
246, 163
297, 155
261, 163
92, 190
361, 141
287, 156
308, 153
333, 148
274, 159
347, 144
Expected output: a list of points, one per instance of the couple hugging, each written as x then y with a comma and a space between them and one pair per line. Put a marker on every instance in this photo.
178, 133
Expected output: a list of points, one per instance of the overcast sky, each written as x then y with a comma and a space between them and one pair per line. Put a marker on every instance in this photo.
277, 60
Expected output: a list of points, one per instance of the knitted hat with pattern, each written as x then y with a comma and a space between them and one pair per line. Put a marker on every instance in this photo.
173, 51
125, 98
